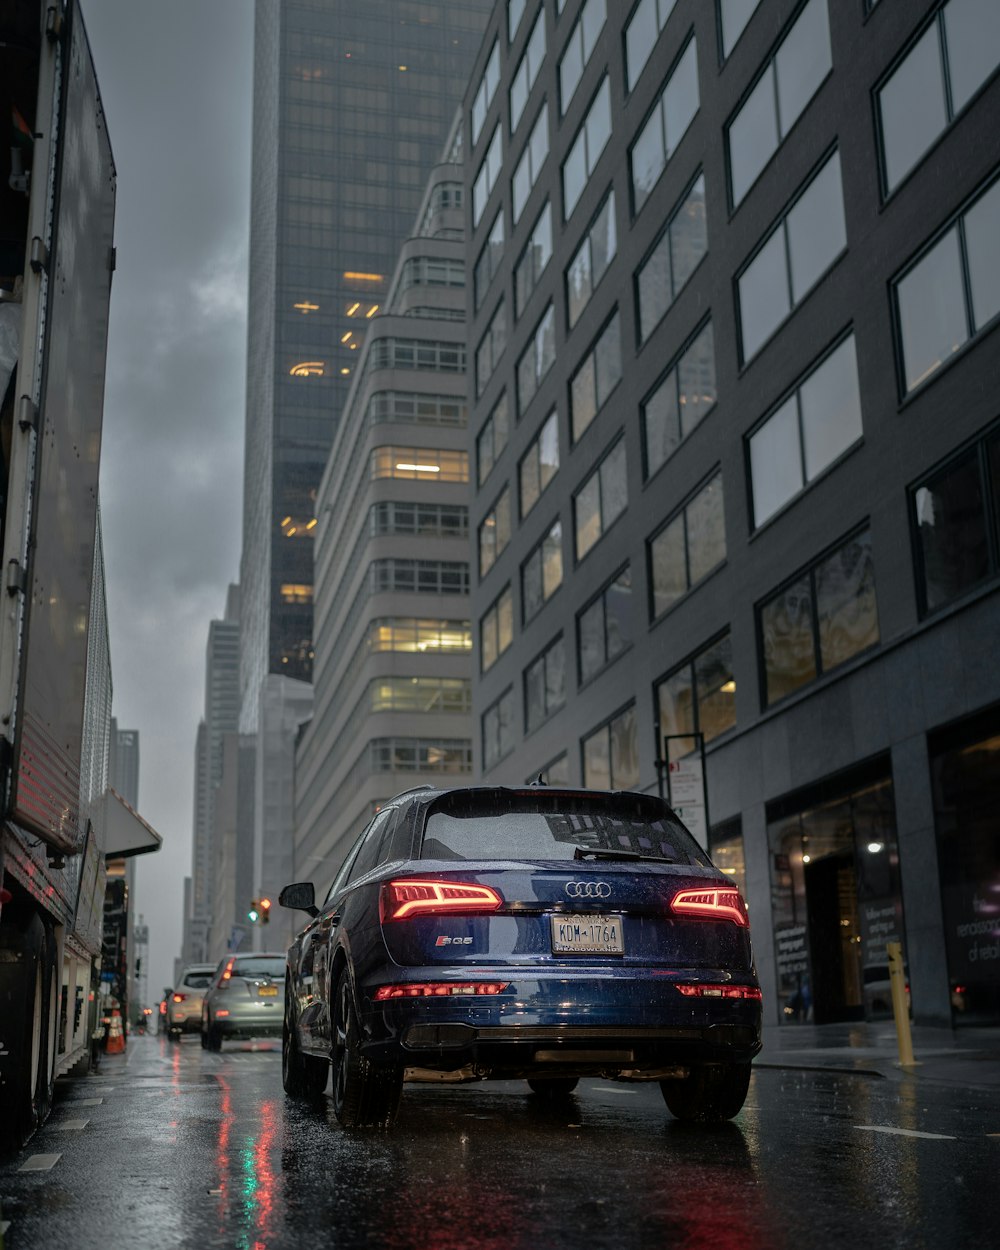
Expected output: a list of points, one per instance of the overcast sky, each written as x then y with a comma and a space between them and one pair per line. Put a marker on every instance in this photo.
176, 82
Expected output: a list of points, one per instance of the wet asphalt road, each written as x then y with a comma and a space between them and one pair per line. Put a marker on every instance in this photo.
189, 1148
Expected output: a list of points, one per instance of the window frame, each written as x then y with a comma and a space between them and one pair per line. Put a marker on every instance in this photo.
502, 755
586, 241
689, 662
664, 233
654, 617
657, 106
494, 611
594, 471
494, 511
542, 657
601, 597
590, 354
534, 448
673, 367
605, 726
580, 135
538, 549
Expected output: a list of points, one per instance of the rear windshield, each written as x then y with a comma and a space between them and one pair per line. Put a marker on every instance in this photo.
501, 825
198, 980
260, 966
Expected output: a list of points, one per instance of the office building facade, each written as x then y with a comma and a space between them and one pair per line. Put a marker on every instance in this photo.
735, 281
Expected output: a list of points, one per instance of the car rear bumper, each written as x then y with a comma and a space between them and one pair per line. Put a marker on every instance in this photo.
264, 1021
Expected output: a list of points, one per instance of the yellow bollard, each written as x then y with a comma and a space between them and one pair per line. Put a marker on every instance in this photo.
900, 1007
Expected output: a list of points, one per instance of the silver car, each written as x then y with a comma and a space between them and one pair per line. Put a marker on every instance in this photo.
183, 1013
245, 999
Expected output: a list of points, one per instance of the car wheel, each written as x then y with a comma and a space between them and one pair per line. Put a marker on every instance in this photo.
173, 1035
213, 1038
711, 1094
204, 1039
365, 1095
302, 1076
552, 1088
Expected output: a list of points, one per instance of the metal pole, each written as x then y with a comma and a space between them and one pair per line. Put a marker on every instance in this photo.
900, 1007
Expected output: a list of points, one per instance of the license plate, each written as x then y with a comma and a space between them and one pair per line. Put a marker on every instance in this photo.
267, 991
587, 935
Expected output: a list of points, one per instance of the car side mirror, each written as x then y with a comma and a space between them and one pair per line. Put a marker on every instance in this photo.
301, 897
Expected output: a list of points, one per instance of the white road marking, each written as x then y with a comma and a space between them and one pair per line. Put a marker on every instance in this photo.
903, 1132
4, 1225
40, 1163
71, 1126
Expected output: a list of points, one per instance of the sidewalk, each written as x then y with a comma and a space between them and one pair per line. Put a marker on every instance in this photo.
968, 1056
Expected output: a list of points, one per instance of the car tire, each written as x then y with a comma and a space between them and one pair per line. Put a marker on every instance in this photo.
213, 1038
204, 1040
711, 1094
302, 1076
173, 1035
365, 1095
552, 1088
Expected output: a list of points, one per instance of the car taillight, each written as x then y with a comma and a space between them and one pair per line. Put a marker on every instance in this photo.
163, 1007
437, 989
179, 998
715, 904
399, 900
720, 991
229, 970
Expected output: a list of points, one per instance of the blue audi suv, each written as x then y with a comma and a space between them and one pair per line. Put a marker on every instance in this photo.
522, 933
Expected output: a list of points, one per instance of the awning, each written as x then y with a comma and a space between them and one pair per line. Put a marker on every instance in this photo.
125, 831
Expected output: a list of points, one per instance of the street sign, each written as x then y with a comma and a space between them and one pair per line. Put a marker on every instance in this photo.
686, 794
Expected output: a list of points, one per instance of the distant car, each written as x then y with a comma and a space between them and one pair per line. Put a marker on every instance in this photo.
244, 999
530, 933
183, 1003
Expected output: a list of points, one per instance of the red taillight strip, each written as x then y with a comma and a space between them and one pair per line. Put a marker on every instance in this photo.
720, 991
438, 989
716, 904
411, 897
229, 968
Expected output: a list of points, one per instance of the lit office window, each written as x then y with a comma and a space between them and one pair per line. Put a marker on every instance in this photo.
688, 547
492, 439
542, 573
413, 636
817, 423
674, 257
489, 260
596, 377
545, 685
591, 140
952, 292
611, 754
798, 252
491, 348
592, 259
733, 18
496, 629
601, 500
539, 464
420, 694
486, 178
419, 464
530, 164
675, 109
822, 618
699, 696
641, 33
485, 92
494, 532
498, 729
604, 627
790, 80
581, 44
536, 360
532, 261
936, 79
679, 400
527, 70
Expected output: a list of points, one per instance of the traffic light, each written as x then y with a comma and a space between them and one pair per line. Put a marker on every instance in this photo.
265, 910
253, 915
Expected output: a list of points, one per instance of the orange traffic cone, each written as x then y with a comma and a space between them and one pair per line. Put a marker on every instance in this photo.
116, 1034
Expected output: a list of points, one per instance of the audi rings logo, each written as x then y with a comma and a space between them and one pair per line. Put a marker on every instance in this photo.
588, 889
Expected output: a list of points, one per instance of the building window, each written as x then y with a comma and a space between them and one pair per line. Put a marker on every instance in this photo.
496, 629
733, 18
611, 754
956, 522
494, 532
421, 755
674, 257
527, 70
412, 635
431, 271
492, 439
416, 408
937, 78
515, 11
793, 258
815, 425
422, 577
582, 41
536, 360
592, 259
491, 348
601, 500
679, 400
596, 377
419, 464
498, 729
295, 592
675, 109
530, 165
542, 573
545, 685
539, 464
689, 546
604, 627
420, 694
820, 619
698, 696
429, 520
486, 91
952, 292
489, 261
641, 33
532, 261
486, 178
591, 140
433, 357
789, 81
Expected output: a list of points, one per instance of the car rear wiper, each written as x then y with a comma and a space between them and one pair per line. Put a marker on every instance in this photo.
623, 856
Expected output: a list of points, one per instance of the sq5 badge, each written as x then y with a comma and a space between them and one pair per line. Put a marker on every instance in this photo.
444, 940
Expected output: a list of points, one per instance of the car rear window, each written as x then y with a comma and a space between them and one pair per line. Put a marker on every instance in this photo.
510, 825
198, 980
260, 966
